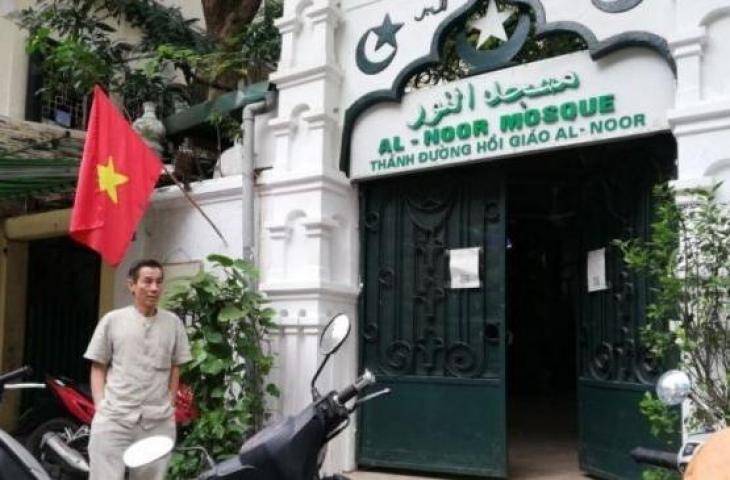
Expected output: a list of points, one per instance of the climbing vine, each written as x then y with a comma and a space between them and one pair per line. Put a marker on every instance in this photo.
228, 324
687, 259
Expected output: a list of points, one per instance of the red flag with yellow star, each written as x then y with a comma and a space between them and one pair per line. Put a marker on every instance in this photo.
117, 175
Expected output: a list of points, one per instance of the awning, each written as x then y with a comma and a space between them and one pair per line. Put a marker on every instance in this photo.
201, 113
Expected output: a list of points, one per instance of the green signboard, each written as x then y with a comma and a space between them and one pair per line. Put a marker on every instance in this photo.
572, 100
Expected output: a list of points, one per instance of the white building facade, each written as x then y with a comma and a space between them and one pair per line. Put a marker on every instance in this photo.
309, 242
344, 134
343, 124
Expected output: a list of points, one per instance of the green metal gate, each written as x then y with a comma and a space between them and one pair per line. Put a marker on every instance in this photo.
441, 350
614, 369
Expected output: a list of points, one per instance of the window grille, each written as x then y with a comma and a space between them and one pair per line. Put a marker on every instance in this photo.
64, 109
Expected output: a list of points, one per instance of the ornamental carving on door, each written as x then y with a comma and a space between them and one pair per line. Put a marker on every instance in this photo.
420, 326
610, 347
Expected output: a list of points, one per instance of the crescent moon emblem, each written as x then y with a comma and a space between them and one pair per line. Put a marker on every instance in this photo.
364, 64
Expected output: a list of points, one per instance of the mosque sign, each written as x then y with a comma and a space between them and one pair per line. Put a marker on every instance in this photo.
392, 41
565, 101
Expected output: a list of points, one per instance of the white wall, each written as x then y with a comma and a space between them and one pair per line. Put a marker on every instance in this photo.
173, 232
309, 251
14, 73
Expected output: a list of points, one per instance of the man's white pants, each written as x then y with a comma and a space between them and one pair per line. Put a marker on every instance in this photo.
110, 438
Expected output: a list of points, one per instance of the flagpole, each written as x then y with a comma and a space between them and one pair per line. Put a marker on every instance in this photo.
194, 203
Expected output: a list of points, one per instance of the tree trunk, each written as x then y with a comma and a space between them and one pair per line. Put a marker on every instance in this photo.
226, 17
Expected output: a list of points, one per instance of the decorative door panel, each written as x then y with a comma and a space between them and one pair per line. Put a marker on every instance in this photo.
440, 350
614, 369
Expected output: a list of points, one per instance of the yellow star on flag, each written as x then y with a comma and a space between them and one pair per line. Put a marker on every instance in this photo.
110, 179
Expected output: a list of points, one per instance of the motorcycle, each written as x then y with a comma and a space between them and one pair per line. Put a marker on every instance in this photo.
68, 421
16, 462
294, 448
703, 454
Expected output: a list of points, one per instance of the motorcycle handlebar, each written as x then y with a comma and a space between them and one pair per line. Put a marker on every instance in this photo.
351, 391
657, 458
15, 374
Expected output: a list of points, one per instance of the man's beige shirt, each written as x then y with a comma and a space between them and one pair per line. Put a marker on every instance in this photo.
139, 352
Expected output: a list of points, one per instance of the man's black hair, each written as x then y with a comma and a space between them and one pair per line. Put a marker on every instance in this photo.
140, 264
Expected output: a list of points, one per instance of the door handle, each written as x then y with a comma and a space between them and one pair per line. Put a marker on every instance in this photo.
492, 332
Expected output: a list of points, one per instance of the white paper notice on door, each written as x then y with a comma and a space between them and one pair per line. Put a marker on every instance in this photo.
597, 270
464, 267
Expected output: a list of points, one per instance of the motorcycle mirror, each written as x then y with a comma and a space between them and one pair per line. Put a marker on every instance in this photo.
673, 387
147, 450
334, 334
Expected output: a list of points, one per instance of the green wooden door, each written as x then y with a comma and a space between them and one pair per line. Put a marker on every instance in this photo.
440, 350
614, 369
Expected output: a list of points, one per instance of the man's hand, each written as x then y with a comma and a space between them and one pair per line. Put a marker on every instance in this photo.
98, 382
174, 382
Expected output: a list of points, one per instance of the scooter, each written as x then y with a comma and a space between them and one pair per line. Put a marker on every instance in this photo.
16, 462
702, 452
66, 424
293, 449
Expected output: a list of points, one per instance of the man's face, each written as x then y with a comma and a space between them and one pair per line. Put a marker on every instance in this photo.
147, 289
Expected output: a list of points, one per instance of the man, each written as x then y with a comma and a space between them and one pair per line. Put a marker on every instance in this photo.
136, 353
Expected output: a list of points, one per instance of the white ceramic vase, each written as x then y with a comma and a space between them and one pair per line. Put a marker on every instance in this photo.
150, 127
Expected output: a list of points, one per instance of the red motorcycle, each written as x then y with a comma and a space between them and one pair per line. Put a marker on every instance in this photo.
66, 424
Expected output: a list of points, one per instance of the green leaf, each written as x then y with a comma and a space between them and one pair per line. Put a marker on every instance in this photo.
212, 366
230, 313
221, 260
273, 390
215, 337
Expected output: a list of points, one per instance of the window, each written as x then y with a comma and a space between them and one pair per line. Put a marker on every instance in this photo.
65, 108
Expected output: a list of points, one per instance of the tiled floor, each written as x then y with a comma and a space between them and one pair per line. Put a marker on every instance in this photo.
556, 460
556, 471
543, 444
554, 474
543, 440
383, 476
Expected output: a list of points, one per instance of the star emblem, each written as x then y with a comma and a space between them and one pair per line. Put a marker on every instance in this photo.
386, 33
110, 179
492, 24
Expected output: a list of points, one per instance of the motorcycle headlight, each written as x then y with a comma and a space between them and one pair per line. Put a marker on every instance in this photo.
673, 387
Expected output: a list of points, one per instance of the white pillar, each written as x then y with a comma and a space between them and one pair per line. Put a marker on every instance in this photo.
309, 245
701, 118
